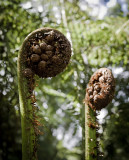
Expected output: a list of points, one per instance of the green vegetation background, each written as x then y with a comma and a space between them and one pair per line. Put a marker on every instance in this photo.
96, 43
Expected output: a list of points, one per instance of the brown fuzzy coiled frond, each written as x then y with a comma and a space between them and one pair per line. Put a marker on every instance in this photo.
47, 52
100, 90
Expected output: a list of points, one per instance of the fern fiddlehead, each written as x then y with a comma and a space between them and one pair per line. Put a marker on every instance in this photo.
99, 93
45, 52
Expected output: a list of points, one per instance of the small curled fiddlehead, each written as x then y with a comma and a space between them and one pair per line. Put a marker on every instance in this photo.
99, 93
100, 90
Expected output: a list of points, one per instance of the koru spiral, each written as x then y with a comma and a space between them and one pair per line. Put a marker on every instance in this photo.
100, 90
47, 53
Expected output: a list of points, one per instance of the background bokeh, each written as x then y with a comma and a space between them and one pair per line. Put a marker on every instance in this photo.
99, 34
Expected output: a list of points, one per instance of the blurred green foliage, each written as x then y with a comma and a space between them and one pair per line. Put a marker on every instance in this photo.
95, 44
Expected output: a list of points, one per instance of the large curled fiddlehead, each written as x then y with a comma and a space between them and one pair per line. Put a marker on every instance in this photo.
45, 52
99, 93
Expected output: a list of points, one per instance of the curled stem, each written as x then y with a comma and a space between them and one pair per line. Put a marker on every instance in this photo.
28, 134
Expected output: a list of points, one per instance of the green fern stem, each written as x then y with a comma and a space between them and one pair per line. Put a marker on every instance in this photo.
28, 134
90, 134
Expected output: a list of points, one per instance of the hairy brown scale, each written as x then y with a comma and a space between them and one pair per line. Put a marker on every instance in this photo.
100, 90
28, 73
47, 52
